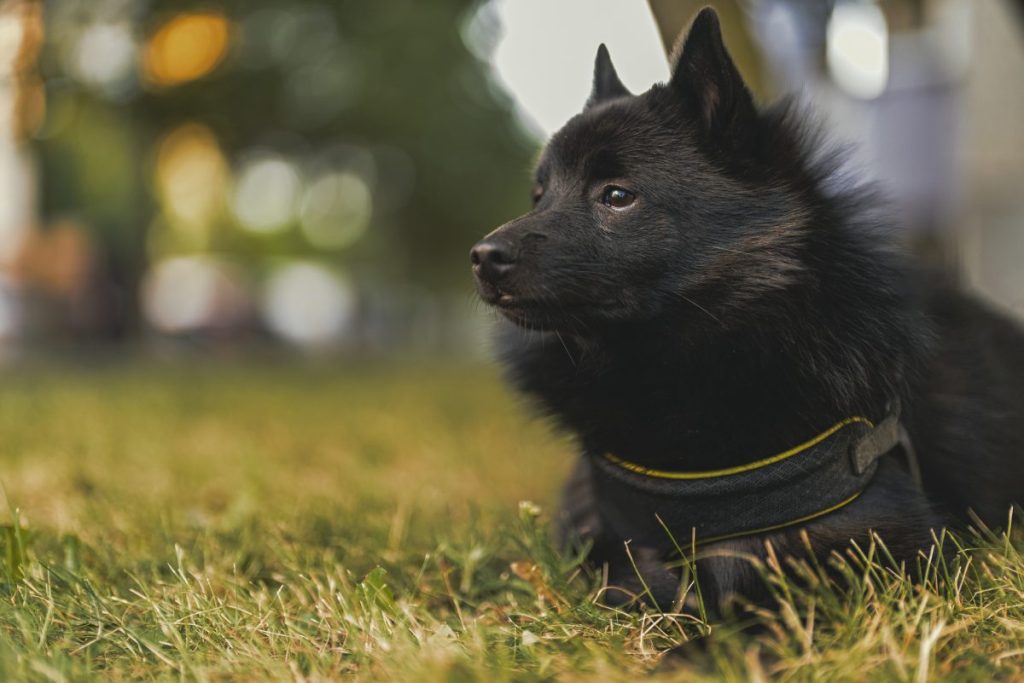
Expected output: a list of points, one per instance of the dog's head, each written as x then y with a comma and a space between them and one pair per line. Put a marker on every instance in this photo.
667, 200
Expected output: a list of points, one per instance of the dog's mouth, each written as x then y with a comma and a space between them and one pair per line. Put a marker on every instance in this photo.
518, 308
508, 302
535, 314
525, 309
497, 296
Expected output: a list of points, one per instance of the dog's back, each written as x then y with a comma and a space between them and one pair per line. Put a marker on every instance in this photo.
966, 411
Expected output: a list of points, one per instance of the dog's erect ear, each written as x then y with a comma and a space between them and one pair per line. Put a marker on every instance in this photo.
705, 75
607, 85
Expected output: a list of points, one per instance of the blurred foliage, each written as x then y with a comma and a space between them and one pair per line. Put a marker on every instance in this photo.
299, 79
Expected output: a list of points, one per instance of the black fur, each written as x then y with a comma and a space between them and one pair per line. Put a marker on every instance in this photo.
742, 303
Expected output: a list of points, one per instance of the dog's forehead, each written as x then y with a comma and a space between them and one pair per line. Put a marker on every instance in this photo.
605, 142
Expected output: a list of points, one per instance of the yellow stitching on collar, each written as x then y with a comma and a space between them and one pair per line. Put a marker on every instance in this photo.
664, 474
774, 527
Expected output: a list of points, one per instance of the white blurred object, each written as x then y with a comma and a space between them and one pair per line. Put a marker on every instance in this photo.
308, 305
17, 174
104, 56
545, 52
266, 194
857, 48
189, 293
11, 34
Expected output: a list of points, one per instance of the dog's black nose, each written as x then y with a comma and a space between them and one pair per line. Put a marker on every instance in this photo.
492, 259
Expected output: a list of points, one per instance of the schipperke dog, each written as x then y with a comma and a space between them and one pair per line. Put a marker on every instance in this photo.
702, 298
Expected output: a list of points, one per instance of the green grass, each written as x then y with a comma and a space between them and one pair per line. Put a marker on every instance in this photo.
299, 522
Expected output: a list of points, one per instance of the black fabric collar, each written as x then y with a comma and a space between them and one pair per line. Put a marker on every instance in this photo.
808, 481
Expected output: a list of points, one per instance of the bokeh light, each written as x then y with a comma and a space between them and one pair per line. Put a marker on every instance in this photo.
188, 293
857, 42
105, 56
191, 176
187, 47
266, 193
308, 305
336, 209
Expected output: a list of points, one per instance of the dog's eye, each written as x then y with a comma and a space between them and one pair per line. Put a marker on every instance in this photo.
617, 197
537, 193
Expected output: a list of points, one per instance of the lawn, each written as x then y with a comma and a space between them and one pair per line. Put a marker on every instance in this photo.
273, 520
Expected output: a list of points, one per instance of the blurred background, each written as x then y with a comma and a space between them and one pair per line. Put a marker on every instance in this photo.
309, 175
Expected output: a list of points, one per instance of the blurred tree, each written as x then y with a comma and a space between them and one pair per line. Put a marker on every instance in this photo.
302, 79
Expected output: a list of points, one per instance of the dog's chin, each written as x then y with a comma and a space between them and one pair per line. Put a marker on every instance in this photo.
523, 313
531, 318
577, 320
581, 320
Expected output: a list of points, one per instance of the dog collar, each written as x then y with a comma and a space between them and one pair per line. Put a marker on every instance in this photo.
808, 481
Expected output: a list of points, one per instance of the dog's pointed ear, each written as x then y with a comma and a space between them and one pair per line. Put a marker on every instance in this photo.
607, 85
705, 75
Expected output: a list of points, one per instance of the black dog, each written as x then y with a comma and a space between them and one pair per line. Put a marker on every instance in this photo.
701, 301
